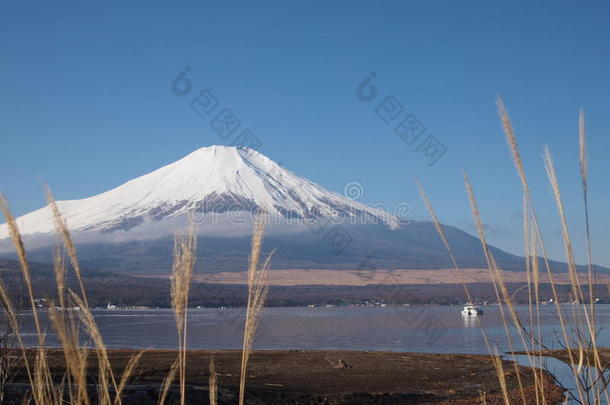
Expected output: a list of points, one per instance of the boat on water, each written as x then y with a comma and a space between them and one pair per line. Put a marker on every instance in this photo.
472, 310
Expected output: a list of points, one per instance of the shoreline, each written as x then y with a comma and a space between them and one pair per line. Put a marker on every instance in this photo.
313, 376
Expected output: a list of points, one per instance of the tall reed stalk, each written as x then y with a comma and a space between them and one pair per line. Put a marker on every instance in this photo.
257, 292
185, 248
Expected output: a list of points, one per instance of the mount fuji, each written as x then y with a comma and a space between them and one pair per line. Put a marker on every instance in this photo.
210, 180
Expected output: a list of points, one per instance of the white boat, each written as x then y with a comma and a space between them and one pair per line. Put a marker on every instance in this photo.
472, 310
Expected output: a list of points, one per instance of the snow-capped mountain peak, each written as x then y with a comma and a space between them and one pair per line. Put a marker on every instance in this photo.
212, 179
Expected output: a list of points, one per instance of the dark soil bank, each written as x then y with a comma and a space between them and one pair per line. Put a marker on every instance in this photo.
319, 377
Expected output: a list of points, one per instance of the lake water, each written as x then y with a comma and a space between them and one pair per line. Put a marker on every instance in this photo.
430, 329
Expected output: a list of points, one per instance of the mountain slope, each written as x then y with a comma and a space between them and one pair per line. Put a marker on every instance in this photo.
129, 229
414, 245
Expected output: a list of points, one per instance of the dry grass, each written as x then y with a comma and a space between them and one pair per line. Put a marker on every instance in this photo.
182, 274
168, 381
73, 386
257, 292
213, 384
580, 337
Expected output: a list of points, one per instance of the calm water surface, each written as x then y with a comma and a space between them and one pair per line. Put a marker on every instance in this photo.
405, 328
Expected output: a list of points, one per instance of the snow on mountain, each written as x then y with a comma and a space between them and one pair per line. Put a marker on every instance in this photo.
213, 179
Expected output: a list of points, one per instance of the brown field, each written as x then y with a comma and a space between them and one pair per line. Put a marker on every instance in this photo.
294, 277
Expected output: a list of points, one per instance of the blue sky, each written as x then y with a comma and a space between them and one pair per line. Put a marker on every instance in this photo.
87, 103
